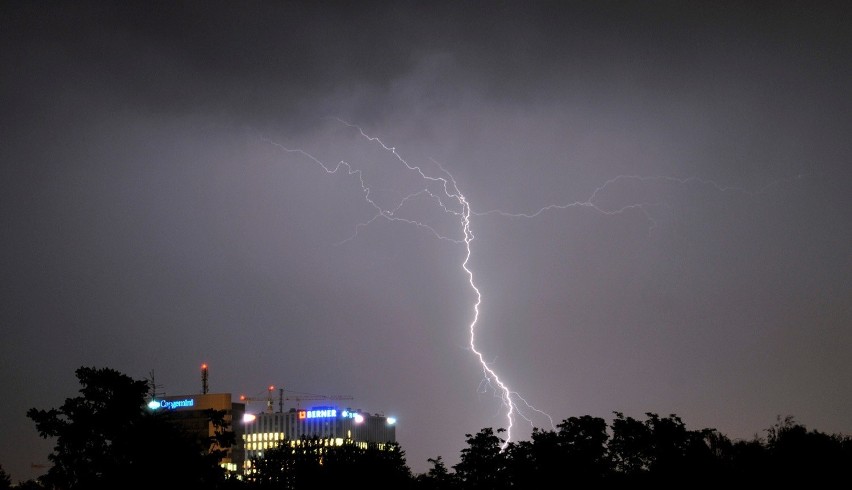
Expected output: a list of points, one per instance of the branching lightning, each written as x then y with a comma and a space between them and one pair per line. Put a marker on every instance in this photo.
445, 193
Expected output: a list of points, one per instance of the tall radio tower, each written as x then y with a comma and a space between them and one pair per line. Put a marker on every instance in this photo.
204, 387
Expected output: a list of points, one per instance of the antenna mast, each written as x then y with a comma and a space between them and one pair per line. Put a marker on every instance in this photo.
152, 385
204, 387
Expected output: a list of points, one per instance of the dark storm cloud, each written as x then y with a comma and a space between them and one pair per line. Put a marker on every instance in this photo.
258, 61
147, 223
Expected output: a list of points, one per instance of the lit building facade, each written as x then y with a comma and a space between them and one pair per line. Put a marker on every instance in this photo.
331, 425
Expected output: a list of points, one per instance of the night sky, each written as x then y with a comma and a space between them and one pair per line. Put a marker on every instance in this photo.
658, 198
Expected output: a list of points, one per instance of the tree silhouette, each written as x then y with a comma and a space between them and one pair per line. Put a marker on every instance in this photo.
661, 451
802, 457
583, 448
483, 464
438, 477
5, 479
107, 437
630, 447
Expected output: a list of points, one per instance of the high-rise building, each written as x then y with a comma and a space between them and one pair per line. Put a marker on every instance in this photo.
325, 426
333, 426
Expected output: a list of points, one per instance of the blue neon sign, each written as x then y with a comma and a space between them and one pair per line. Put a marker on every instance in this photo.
171, 404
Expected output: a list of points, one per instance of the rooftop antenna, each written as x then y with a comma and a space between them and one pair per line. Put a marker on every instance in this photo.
204, 387
152, 385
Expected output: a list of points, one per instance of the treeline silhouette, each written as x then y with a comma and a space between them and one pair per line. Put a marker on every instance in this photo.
107, 439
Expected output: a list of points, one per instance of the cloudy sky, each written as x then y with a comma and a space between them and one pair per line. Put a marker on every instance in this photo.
649, 200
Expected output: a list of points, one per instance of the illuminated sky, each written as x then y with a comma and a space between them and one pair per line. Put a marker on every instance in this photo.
660, 208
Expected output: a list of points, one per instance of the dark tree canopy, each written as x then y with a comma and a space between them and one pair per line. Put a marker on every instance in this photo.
106, 438
5, 479
483, 462
438, 477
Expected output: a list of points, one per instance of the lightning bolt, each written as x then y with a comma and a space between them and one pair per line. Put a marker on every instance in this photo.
444, 191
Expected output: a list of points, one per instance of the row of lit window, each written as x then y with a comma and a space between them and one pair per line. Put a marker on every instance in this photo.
266, 436
256, 446
259, 446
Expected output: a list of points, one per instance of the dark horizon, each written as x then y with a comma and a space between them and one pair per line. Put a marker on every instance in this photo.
109, 436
